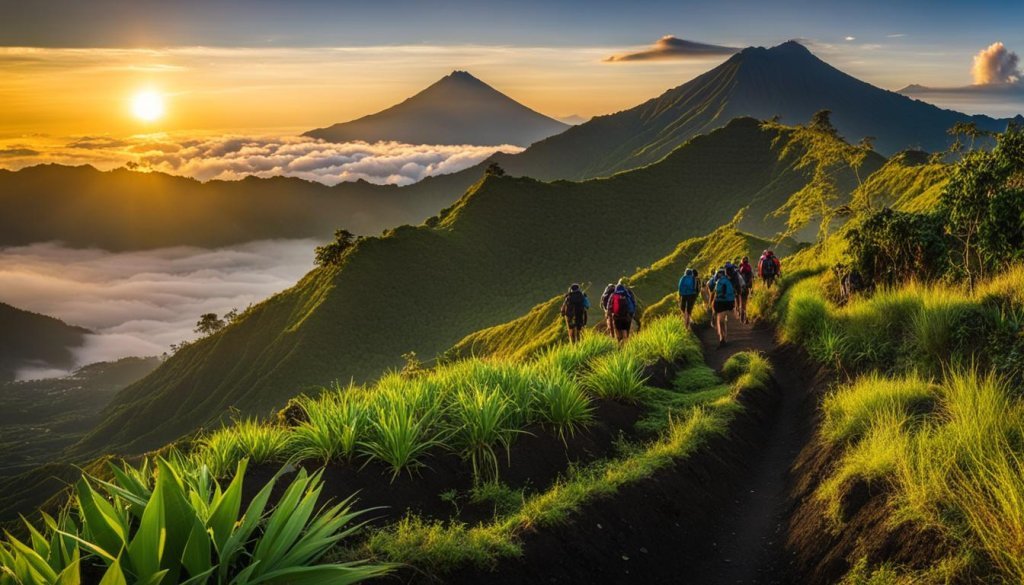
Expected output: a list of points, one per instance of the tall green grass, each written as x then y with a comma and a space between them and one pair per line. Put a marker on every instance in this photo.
617, 376
474, 407
956, 465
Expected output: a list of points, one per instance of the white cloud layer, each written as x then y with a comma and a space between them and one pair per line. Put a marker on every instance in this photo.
139, 303
232, 157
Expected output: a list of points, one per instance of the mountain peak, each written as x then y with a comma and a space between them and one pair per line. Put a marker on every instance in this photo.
460, 75
456, 109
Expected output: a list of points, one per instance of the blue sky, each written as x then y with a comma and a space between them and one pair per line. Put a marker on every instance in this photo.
105, 23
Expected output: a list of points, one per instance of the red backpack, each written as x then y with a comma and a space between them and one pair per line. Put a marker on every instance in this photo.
620, 305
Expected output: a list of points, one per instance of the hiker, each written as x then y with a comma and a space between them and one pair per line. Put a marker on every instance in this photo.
606, 298
622, 309
689, 288
747, 272
632, 298
574, 310
739, 284
710, 290
769, 268
723, 300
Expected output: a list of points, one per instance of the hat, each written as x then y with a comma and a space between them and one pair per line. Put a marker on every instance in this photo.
620, 289
574, 287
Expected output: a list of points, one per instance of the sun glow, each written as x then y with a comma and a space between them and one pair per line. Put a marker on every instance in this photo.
148, 105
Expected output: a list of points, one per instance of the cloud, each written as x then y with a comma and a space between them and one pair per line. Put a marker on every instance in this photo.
896, 35
670, 47
139, 303
850, 39
16, 152
996, 64
231, 157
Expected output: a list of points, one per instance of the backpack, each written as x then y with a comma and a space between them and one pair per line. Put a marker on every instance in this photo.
767, 266
724, 290
606, 296
621, 305
574, 304
688, 285
747, 271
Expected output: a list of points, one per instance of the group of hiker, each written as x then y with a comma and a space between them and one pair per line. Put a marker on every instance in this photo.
727, 290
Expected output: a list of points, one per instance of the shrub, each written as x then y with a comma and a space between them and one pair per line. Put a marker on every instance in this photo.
162, 528
562, 403
336, 421
483, 419
398, 435
616, 376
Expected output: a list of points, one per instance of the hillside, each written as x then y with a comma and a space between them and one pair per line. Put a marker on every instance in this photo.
504, 247
32, 340
785, 80
126, 210
457, 109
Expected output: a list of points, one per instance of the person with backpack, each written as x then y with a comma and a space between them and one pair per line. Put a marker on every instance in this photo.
606, 298
574, 310
769, 268
689, 289
723, 300
747, 272
622, 309
632, 298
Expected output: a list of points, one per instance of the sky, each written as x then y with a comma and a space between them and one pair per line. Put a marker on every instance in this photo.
72, 67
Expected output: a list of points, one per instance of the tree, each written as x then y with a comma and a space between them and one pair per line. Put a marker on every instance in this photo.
984, 200
822, 122
494, 170
209, 323
332, 252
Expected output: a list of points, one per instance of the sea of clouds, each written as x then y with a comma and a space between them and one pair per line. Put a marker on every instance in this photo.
231, 157
139, 303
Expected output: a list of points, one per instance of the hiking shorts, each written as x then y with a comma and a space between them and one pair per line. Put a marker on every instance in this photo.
622, 323
576, 321
745, 293
724, 306
687, 302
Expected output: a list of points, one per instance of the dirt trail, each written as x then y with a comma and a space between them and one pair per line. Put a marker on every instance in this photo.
749, 539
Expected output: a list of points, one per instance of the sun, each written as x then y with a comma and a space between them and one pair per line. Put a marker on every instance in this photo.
148, 105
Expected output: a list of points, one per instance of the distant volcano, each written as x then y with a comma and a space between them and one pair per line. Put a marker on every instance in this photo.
786, 80
458, 109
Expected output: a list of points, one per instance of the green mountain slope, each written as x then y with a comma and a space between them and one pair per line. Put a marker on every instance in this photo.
126, 210
654, 287
508, 244
457, 109
30, 339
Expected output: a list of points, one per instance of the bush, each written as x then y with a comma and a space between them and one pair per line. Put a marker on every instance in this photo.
617, 376
162, 526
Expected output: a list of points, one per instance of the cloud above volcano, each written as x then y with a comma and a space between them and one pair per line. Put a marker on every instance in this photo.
670, 47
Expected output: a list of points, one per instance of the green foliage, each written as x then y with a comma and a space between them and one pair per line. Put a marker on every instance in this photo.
891, 247
399, 435
334, 422
616, 376
984, 200
957, 466
160, 524
209, 323
561, 402
484, 421
332, 253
